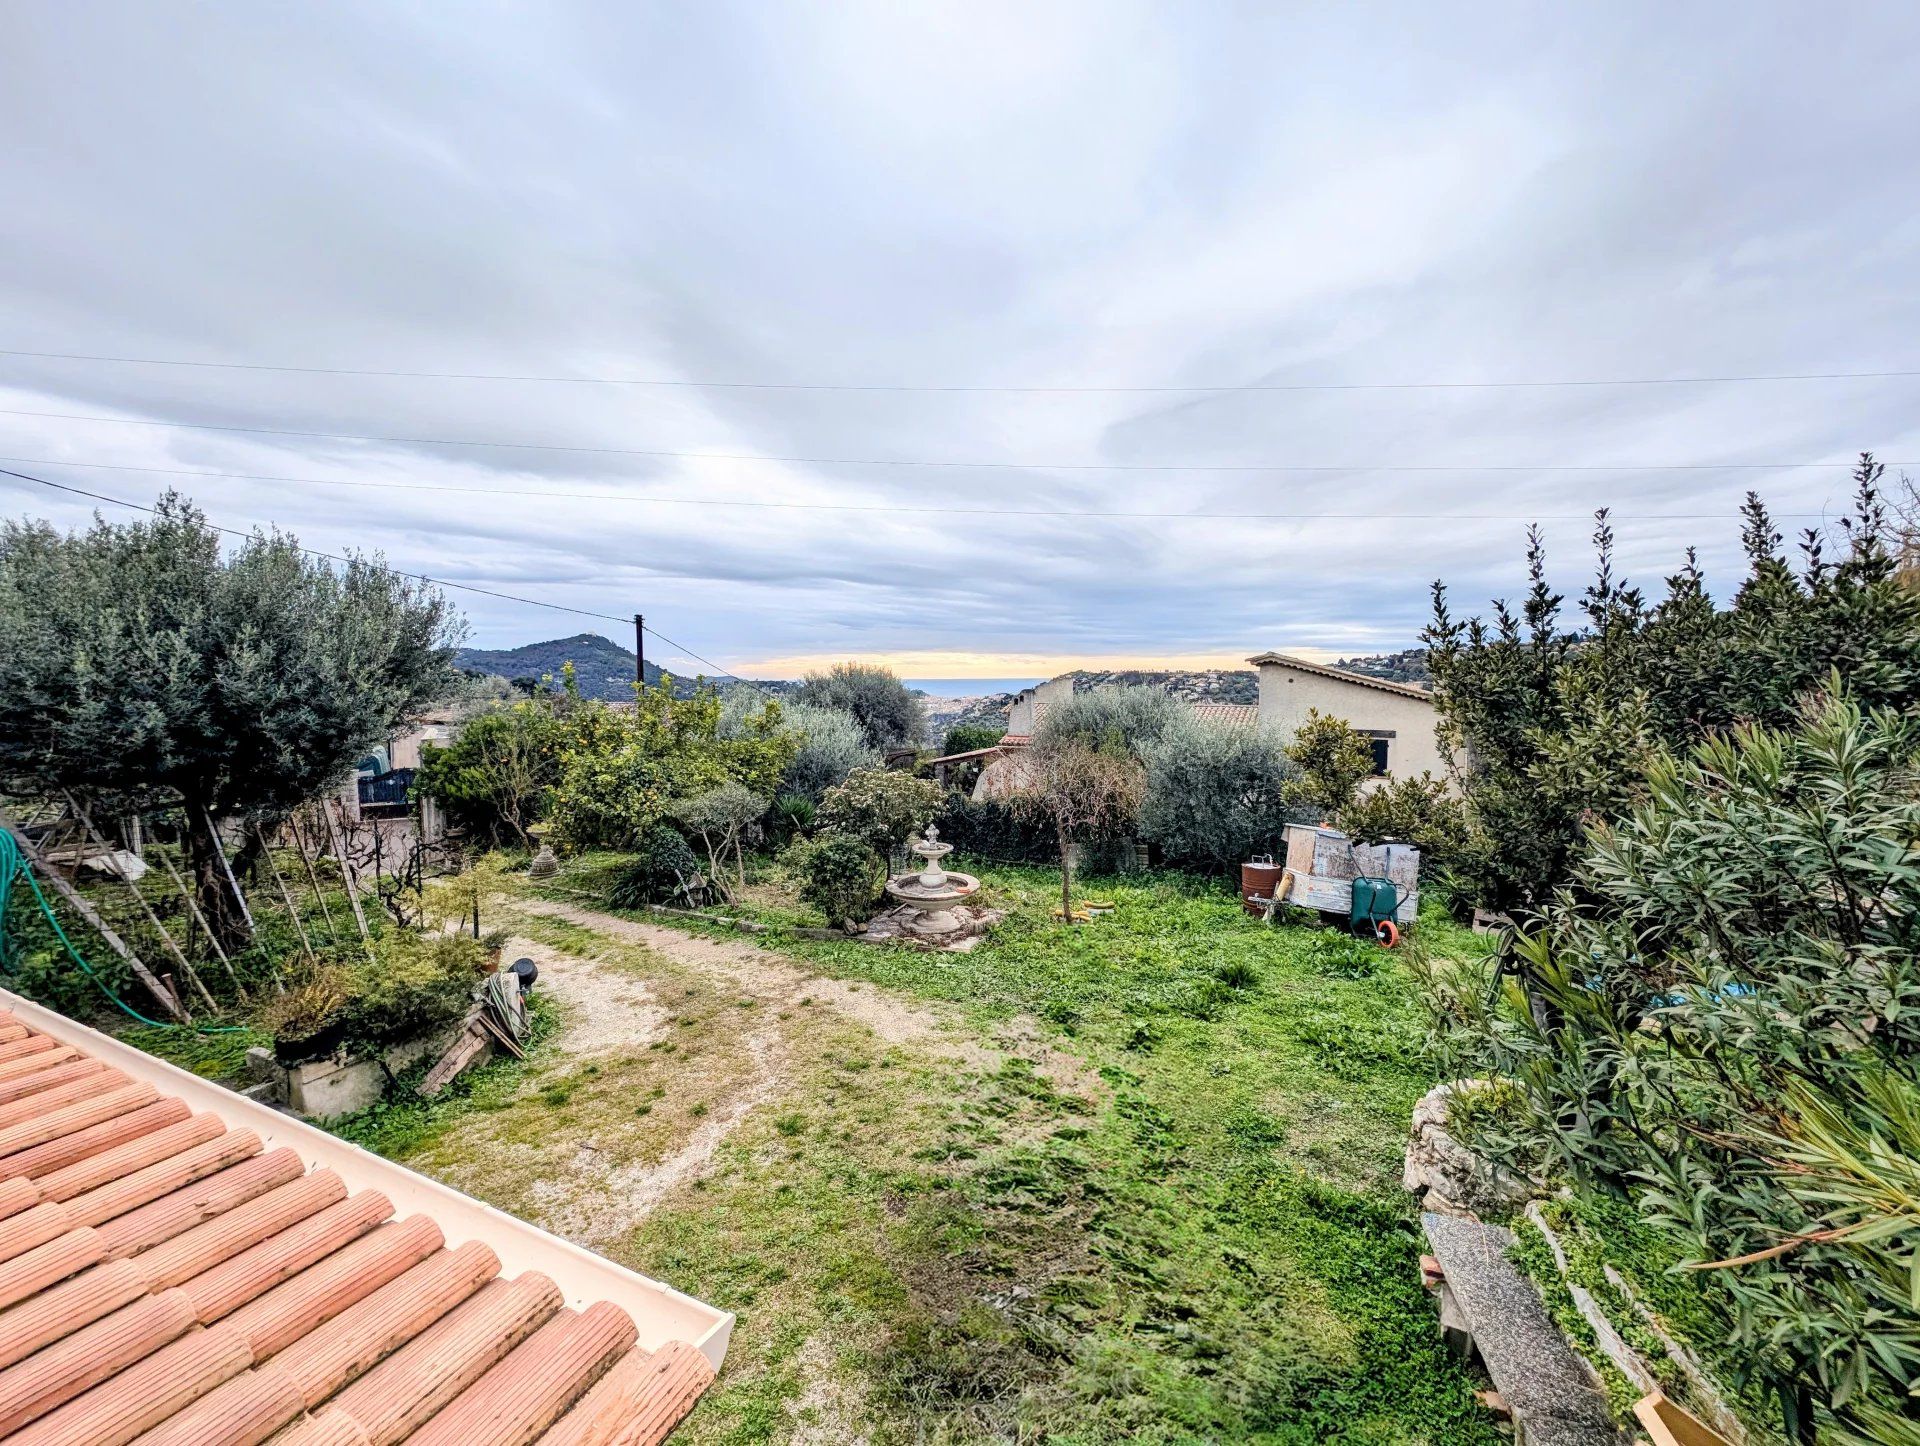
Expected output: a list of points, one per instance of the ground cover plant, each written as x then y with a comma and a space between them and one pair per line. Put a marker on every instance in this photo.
1134, 1179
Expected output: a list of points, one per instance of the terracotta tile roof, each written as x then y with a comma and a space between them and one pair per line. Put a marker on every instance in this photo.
168, 1276
1406, 690
1234, 715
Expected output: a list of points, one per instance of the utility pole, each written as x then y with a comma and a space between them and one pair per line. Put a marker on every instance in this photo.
640, 651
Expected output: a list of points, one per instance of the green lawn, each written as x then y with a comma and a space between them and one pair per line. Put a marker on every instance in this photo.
1200, 1237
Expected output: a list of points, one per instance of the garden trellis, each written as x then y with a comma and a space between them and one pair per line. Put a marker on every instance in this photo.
114, 901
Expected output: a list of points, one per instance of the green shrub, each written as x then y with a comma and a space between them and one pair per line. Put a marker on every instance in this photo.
793, 815
650, 877
497, 777
1331, 760
623, 770
1548, 726
839, 876
1418, 811
414, 984
307, 1020
880, 807
1216, 796
966, 737
989, 830
1726, 1030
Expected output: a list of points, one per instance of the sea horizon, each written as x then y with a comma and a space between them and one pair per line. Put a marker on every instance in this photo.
969, 687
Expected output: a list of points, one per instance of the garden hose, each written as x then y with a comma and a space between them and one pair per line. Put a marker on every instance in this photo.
14, 867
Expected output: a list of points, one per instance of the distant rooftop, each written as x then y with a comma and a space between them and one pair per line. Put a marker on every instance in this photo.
185, 1267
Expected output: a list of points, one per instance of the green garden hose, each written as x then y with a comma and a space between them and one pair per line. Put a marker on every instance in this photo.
13, 868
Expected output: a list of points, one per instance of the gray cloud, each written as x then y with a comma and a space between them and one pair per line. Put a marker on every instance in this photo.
1081, 195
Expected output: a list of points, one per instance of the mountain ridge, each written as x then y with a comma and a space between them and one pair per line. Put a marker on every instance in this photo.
602, 668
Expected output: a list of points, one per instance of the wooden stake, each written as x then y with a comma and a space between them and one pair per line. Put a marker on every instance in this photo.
213, 833
346, 872
139, 898
285, 897
293, 826
199, 918
86, 911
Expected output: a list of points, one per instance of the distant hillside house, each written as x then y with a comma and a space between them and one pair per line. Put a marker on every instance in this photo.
1397, 717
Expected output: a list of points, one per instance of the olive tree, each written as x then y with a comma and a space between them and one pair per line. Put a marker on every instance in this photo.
832, 747
142, 665
721, 816
889, 714
1215, 795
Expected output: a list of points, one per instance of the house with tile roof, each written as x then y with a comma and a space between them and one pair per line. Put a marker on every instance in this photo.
180, 1266
1399, 718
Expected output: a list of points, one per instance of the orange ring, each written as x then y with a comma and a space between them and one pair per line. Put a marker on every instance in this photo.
1387, 932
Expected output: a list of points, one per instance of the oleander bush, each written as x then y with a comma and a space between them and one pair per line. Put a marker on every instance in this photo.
1724, 1031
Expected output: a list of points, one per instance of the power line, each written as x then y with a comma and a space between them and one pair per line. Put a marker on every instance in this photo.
1219, 467
617, 381
315, 552
681, 648
889, 507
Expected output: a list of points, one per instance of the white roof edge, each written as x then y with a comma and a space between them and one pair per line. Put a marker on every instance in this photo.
1306, 665
660, 1312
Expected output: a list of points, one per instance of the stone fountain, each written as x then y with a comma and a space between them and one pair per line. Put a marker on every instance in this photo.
931, 892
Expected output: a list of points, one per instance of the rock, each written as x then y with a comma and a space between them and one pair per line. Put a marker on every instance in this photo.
1450, 1178
544, 865
1552, 1394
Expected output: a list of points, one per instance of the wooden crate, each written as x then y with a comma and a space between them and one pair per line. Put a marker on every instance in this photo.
1324, 863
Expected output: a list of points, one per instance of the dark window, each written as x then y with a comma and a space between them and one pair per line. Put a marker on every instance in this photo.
1379, 756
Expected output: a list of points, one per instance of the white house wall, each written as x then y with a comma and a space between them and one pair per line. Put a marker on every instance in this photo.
1288, 694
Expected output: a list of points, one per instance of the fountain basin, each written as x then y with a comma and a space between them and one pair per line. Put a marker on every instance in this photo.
928, 893
932, 915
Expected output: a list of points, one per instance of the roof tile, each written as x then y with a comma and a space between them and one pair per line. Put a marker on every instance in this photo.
48, 1264
244, 1292
319, 1293
43, 1319
49, 1377
347, 1346
397, 1397
74, 1142
225, 1236
529, 1390
137, 1153
229, 1285
204, 1200
145, 1393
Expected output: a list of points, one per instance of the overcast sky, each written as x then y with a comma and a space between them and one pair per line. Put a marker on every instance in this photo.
965, 196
